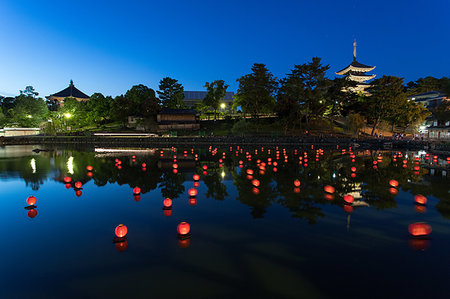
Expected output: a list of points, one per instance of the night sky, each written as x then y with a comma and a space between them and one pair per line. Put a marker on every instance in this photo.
108, 46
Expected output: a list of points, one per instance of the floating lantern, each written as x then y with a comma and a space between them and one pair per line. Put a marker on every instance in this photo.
90, 174
32, 213
249, 171
205, 167
420, 199
419, 229
353, 175
329, 189
183, 228
196, 177
121, 231
393, 183
78, 193
175, 166
89, 168
144, 165
175, 171
167, 202
67, 179
78, 185
297, 190
196, 184
255, 191
374, 162
405, 162
416, 168
31, 200
275, 169
353, 169
296, 183
137, 190
255, 183
348, 198
393, 191
192, 192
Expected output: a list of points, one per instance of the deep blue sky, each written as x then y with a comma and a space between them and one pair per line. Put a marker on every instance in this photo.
108, 46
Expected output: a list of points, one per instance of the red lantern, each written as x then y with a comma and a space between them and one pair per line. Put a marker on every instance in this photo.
249, 171
168, 212
175, 166
416, 168
122, 246
348, 208
275, 169
196, 177
183, 228
31, 200
353, 169
205, 167
329, 196
192, 192
393, 183
192, 201
89, 168
78, 185
255, 191
137, 197
393, 191
196, 184
348, 198
121, 231
68, 186
144, 165
67, 179
32, 213
167, 202
255, 183
78, 193
420, 199
297, 190
90, 174
297, 183
420, 208
184, 243
329, 189
353, 175
419, 229
137, 190
175, 171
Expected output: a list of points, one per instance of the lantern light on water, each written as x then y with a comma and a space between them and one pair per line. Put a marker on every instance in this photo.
393, 191
196, 177
137, 190
31, 200
297, 183
121, 231
348, 198
192, 192
89, 168
393, 183
353, 169
419, 229
167, 202
183, 228
78, 185
78, 193
420, 199
255, 183
329, 189
32, 213
67, 179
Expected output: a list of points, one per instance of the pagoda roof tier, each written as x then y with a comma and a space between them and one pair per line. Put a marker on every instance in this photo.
360, 77
355, 66
70, 92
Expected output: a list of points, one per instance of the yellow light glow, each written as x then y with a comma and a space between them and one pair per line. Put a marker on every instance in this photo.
68, 115
70, 165
33, 165
223, 174
222, 105
29, 116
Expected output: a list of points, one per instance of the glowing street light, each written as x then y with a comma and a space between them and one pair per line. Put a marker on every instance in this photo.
222, 106
29, 116
68, 115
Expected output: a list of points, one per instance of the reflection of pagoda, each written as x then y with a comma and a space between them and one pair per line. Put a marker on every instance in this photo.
356, 71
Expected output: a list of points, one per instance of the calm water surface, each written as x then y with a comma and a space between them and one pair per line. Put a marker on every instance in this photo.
275, 240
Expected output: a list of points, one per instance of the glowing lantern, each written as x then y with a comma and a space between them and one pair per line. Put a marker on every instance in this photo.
329, 189
144, 165
196, 177
393, 191
137, 190
192, 201
404, 166
90, 174
420, 208
167, 202
31, 200
68, 186
78, 193
192, 192
167, 212
420, 199
329, 196
374, 162
393, 183
419, 229
175, 171
67, 179
255, 183
122, 246
89, 168
205, 167
297, 190
275, 169
353, 175
121, 231
249, 171
353, 169
196, 184
405, 162
348, 198
78, 185
32, 213
416, 168
183, 228
255, 191
175, 166
296, 183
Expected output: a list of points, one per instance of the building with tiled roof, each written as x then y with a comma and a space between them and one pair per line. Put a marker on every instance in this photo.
69, 92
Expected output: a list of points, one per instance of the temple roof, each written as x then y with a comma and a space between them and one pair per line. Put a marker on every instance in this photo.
71, 92
355, 66
360, 77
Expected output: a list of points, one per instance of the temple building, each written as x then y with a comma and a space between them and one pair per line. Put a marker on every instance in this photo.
356, 71
69, 92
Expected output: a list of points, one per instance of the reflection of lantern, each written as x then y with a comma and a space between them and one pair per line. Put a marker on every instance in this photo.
31, 200
67, 179
393, 183
393, 191
122, 246
192, 192
353, 175
420, 199
68, 186
255, 183
419, 243
175, 171
121, 231
196, 177
137, 190
420, 208
419, 229
329, 196
416, 168
329, 189
249, 171
89, 168
78, 185
196, 184
297, 190
184, 243
192, 201
32, 213
255, 191
137, 197
183, 228
78, 193
348, 198
275, 169
297, 183
348, 208
167, 202
90, 174
167, 212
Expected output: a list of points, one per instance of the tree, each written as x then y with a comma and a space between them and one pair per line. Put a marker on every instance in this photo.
29, 92
216, 92
171, 93
256, 91
442, 112
99, 108
386, 94
142, 100
29, 111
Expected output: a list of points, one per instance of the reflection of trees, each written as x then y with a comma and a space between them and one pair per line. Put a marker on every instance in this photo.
171, 185
216, 189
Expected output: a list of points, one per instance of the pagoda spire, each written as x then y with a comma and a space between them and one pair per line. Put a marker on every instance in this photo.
354, 50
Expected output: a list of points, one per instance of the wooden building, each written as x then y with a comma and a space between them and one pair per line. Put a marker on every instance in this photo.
178, 119
69, 92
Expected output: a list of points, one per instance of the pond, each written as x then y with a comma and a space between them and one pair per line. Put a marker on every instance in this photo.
261, 223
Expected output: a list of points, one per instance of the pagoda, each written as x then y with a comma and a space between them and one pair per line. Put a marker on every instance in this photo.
356, 71
69, 92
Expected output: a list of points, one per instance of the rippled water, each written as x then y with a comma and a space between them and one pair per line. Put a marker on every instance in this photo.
251, 235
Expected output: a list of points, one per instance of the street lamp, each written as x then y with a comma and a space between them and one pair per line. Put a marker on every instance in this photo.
68, 115
222, 106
